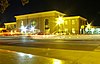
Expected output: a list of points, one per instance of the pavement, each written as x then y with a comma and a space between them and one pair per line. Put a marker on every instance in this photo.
48, 51
12, 57
68, 56
53, 44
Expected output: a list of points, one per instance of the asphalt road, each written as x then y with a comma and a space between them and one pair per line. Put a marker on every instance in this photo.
11, 57
44, 51
50, 43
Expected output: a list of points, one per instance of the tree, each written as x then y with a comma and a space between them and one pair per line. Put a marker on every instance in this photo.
24, 2
3, 5
1, 25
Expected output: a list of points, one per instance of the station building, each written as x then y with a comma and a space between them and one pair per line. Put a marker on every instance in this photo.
51, 22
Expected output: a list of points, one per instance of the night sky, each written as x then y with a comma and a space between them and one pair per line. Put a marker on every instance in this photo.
89, 9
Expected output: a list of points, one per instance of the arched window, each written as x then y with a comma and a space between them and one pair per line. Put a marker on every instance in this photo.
46, 22
33, 23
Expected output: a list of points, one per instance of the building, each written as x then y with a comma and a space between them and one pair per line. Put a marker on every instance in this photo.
43, 21
10, 26
74, 24
50, 22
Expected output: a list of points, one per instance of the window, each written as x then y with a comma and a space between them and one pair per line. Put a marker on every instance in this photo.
66, 22
33, 23
66, 30
21, 23
73, 21
46, 24
73, 30
14, 26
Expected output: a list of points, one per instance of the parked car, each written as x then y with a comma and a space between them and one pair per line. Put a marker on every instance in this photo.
5, 33
8, 33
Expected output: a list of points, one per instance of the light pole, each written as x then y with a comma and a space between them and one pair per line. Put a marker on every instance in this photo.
88, 28
59, 22
82, 29
92, 30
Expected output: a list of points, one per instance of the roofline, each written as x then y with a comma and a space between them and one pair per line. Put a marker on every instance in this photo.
10, 23
54, 11
76, 17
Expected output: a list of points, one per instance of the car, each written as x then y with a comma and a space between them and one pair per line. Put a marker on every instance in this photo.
8, 33
40, 33
5, 33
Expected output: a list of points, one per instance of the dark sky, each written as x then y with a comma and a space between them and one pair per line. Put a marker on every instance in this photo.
90, 9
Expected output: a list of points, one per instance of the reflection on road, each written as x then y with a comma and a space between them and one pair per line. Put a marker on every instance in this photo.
12, 57
48, 51
56, 61
24, 55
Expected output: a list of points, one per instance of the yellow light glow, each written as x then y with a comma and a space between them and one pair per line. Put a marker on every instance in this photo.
88, 26
24, 54
11, 32
21, 54
2, 28
92, 29
82, 26
10, 23
56, 61
60, 20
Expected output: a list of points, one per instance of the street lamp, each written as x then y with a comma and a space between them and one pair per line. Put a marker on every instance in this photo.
88, 27
60, 21
82, 29
92, 30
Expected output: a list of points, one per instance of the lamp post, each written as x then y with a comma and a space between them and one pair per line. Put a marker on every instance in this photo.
59, 22
82, 29
88, 28
92, 30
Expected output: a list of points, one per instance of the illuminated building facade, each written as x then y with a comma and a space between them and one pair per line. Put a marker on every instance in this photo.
50, 22
75, 25
10, 26
43, 21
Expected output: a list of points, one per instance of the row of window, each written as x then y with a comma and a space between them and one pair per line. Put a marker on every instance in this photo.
10, 26
47, 22
73, 30
72, 21
66, 21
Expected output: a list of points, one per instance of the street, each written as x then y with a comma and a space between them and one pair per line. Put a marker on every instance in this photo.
50, 43
10, 57
45, 51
